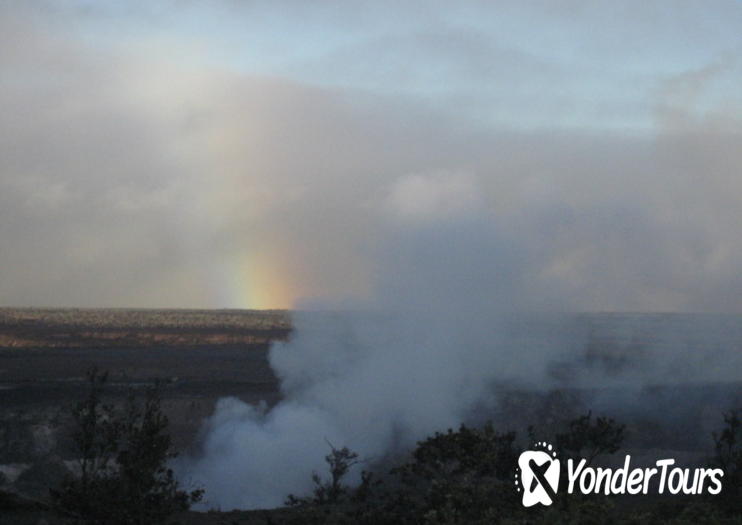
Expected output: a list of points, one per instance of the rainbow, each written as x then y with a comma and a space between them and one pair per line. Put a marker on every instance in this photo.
253, 281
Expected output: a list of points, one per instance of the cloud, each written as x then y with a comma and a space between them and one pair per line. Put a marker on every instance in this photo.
133, 178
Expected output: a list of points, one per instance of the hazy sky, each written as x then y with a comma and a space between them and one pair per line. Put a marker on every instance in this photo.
265, 154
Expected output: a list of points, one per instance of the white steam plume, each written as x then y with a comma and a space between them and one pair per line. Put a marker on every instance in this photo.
441, 341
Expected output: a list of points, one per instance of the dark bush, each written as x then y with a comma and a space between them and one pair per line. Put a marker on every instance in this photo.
466, 477
462, 476
124, 478
333, 490
728, 457
588, 438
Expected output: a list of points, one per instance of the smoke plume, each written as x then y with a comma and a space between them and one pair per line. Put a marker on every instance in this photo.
458, 318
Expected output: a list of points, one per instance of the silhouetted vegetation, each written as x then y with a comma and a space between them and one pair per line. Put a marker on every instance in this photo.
332, 491
587, 438
728, 457
123, 473
466, 476
462, 476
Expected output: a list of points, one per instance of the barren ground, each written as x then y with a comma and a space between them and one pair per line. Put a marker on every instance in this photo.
204, 355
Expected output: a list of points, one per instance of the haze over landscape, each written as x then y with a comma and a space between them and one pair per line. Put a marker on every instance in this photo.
449, 212
272, 155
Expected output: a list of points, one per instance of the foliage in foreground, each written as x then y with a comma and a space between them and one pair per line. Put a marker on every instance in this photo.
124, 478
728, 457
455, 477
465, 477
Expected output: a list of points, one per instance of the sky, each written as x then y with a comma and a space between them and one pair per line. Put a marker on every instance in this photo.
248, 154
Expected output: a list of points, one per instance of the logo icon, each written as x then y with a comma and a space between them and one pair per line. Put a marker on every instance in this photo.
538, 475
